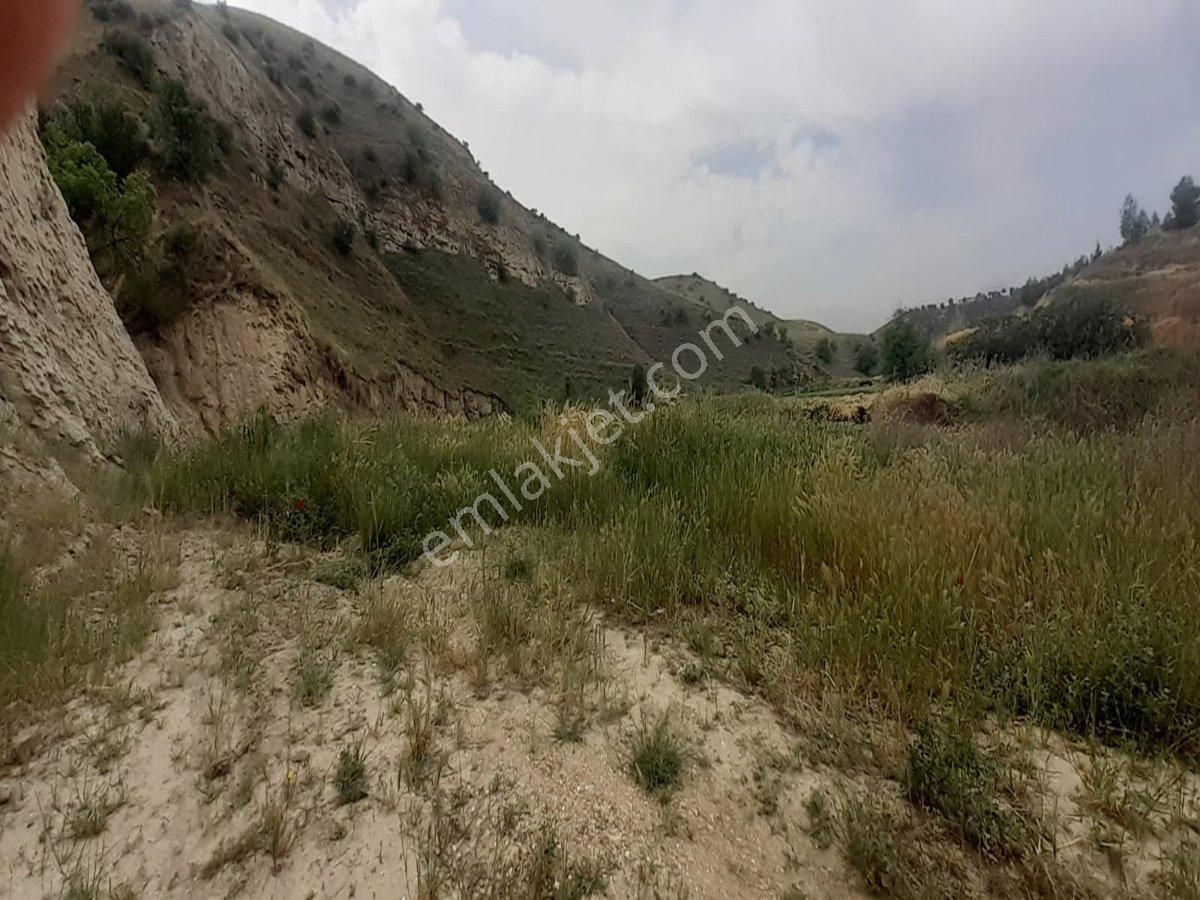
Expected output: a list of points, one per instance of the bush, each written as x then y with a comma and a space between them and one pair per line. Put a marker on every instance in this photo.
306, 85
906, 355
825, 350
114, 214
758, 378
866, 358
119, 136
308, 123
343, 237
231, 33
566, 260
332, 113
134, 53
488, 204
946, 772
187, 136
1077, 326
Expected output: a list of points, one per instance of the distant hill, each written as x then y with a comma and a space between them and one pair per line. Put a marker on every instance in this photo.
804, 335
344, 249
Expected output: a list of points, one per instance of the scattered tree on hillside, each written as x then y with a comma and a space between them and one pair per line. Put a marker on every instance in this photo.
1135, 224
906, 354
638, 386
1099, 252
758, 378
186, 134
114, 214
1185, 203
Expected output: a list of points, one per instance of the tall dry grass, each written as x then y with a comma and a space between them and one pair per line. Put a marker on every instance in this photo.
1056, 576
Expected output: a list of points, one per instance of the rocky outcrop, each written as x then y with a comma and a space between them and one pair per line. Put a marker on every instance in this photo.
222, 362
68, 369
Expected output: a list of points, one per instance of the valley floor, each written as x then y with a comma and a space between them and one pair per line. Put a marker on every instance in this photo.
194, 706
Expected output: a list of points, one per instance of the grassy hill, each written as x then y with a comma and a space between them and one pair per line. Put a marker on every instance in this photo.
362, 246
804, 335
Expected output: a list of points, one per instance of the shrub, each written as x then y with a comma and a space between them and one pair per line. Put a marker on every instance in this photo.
906, 355
114, 214
758, 378
566, 260
231, 33
657, 755
948, 773
308, 123
488, 204
825, 349
332, 113
343, 237
187, 136
275, 176
119, 136
306, 85
134, 53
866, 358
1077, 326
638, 385
351, 776
350, 81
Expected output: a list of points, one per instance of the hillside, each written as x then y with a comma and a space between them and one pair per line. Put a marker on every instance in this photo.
344, 248
1158, 279
803, 334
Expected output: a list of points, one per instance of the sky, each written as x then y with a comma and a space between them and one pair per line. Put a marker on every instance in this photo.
828, 160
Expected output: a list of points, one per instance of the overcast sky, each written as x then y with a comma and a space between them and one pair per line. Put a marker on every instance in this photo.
831, 159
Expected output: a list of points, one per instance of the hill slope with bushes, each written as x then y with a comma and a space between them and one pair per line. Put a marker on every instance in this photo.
278, 227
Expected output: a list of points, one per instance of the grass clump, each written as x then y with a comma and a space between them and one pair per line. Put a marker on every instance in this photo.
350, 779
948, 773
656, 755
887, 856
314, 678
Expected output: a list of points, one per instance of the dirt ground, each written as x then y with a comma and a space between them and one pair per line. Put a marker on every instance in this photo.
214, 765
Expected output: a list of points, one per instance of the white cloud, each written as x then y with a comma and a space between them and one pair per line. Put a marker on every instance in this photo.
915, 150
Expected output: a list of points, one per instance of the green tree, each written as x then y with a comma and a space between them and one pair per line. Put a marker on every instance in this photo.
1135, 224
1185, 203
186, 134
866, 358
758, 378
114, 214
906, 354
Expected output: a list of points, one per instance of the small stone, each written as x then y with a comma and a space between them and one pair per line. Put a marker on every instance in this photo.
301, 757
6, 795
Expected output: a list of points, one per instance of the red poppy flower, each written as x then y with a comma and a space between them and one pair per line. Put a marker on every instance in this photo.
301, 505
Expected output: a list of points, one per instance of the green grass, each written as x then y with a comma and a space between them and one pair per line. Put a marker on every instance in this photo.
350, 779
656, 755
946, 772
1060, 583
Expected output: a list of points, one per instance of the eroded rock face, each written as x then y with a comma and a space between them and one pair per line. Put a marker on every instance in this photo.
222, 362
67, 366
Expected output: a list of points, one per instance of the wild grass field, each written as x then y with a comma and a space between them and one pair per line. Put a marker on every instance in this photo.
995, 554
1037, 558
